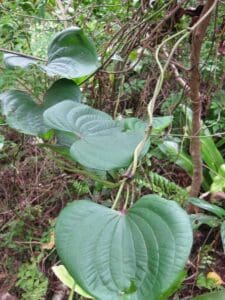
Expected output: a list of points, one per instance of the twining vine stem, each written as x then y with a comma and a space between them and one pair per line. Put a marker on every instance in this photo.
72, 292
132, 168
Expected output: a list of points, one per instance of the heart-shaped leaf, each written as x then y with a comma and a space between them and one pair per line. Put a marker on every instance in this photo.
25, 115
107, 152
80, 119
136, 255
100, 143
70, 55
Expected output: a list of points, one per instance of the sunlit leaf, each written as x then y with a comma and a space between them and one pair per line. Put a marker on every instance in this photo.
216, 277
64, 276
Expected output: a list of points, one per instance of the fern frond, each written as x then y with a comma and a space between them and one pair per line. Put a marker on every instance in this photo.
164, 187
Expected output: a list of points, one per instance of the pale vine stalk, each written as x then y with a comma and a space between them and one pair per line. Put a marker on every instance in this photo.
72, 292
160, 80
157, 90
150, 109
132, 169
127, 198
119, 193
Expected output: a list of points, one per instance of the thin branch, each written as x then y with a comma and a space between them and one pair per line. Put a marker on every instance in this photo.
178, 77
22, 54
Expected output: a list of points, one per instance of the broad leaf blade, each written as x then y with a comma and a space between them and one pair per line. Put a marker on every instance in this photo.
25, 115
22, 113
78, 119
56, 116
71, 55
107, 152
61, 90
116, 256
100, 143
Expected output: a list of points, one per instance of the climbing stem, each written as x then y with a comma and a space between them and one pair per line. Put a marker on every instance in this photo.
127, 198
150, 109
185, 33
157, 90
72, 292
119, 193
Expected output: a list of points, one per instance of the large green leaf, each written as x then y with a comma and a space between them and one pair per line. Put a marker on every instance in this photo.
78, 118
107, 152
71, 54
99, 142
220, 295
136, 255
25, 115
63, 89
